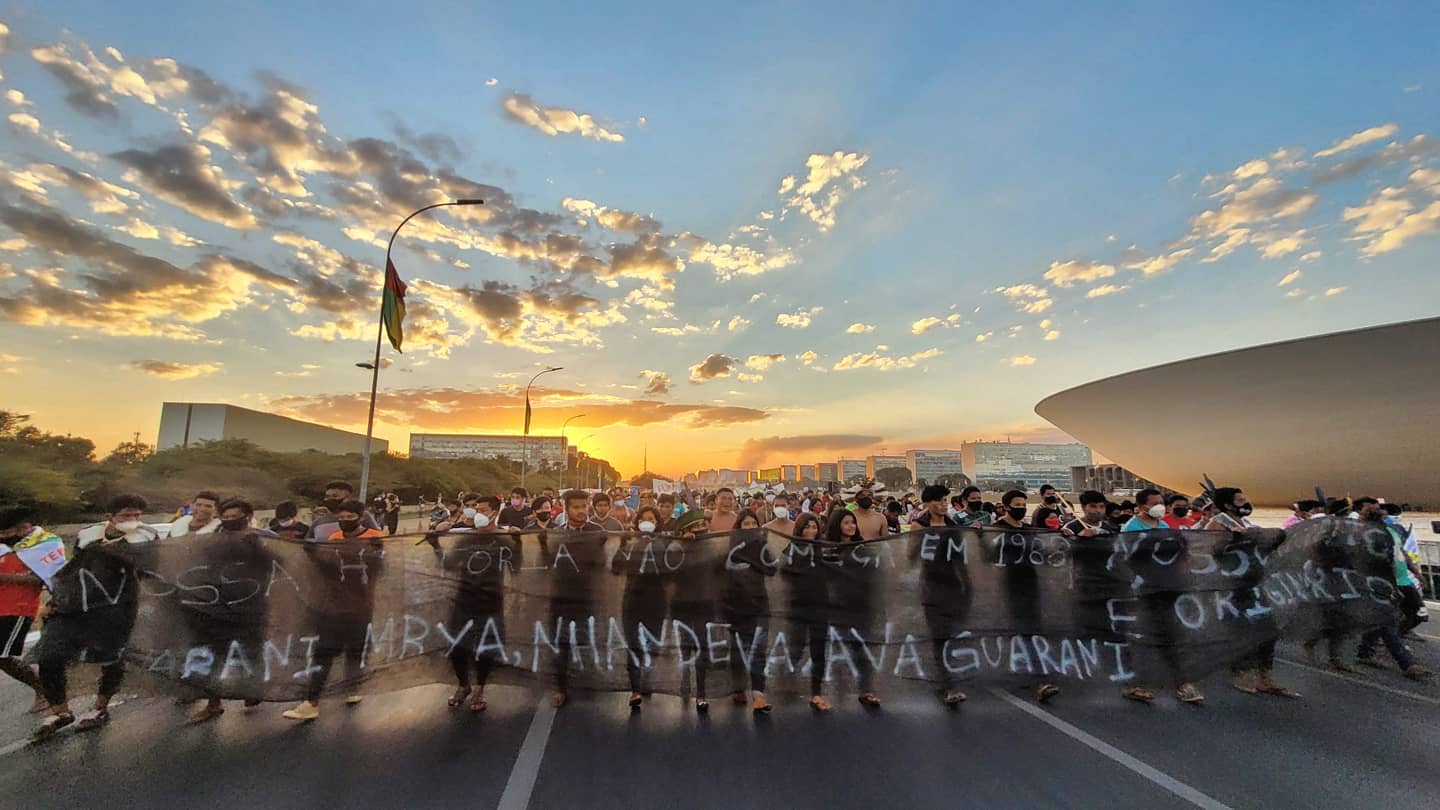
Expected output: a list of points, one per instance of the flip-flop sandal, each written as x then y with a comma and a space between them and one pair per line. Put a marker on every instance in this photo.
635, 701
702, 706
869, 699
819, 704
51, 725
1046, 691
457, 698
205, 714
477, 703
93, 720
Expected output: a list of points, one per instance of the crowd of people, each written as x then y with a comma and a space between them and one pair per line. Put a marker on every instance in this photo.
29, 593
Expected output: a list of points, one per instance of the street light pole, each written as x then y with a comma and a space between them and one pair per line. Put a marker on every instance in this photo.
380, 336
564, 455
579, 472
525, 442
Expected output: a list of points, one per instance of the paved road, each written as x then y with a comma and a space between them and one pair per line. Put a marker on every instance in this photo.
1353, 741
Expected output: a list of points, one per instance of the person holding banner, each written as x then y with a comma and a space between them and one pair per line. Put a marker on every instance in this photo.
808, 600
852, 601
575, 557
477, 560
945, 588
693, 603
747, 608
642, 607
109, 556
1022, 581
29, 558
349, 561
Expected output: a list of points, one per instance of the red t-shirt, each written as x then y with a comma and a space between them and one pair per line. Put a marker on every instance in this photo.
17, 599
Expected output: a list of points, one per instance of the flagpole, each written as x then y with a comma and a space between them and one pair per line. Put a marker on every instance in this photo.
380, 336
525, 441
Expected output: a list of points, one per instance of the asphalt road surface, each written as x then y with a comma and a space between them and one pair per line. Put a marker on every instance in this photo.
1365, 740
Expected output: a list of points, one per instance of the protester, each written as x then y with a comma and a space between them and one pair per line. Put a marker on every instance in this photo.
600, 508
972, 508
722, 514
478, 612
110, 553
693, 603
1158, 605
1304, 509
746, 608
1177, 512
871, 521
1051, 498
1388, 630
945, 589
783, 520
347, 602
1252, 673
852, 600
518, 510
577, 557
541, 515
324, 524
643, 607
202, 518
286, 523
237, 614
620, 509
1022, 582
20, 589
1092, 520
390, 512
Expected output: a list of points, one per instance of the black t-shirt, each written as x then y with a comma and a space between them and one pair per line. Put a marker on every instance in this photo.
515, 518
1106, 527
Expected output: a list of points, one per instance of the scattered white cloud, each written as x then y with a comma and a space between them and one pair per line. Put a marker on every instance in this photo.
1290, 278
176, 371
1064, 274
1106, 289
829, 179
924, 325
984, 336
1053, 334
881, 361
1364, 136
1022, 360
737, 324
1334, 291
761, 362
800, 319
860, 328
552, 121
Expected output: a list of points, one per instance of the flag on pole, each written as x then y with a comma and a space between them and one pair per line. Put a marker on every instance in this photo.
392, 306
527, 413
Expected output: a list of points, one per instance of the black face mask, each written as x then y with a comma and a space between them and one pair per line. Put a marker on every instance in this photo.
1181, 511
234, 525
348, 526
1244, 510
974, 506
1016, 512
1376, 515
333, 504
1052, 499
864, 503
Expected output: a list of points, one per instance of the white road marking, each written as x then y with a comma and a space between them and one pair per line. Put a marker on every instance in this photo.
13, 747
1154, 775
527, 763
1363, 682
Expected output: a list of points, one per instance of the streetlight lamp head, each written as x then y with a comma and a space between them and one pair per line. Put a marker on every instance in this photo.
366, 366
470, 202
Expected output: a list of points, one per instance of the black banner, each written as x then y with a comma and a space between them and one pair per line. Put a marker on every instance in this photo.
245, 615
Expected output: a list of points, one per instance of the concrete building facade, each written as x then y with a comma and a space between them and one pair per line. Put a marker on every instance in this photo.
549, 450
929, 465
183, 424
873, 463
1002, 464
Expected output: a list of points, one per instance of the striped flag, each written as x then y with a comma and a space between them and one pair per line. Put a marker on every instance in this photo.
392, 306
527, 413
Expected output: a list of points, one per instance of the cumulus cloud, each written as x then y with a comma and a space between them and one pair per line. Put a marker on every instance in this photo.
737, 324
176, 371
807, 357
761, 362
1163, 263
1334, 291
860, 328
1053, 334
829, 179
522, 109
1022, 360
800, 319
984, 336
1290, 278
1064, 274
924, 325
1364, 136
1106, 289
881, 360
712, 367
184, 176
1027, 297
610, 218
657, 383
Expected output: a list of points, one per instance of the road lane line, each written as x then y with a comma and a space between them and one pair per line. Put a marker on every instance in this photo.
1114, 754
1363, 682
18, 745
527, 763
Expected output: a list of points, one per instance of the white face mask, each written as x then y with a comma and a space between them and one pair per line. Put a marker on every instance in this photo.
481, 521
646, 526
1157, 511
128, 526
469, 512
769, 498
781, 513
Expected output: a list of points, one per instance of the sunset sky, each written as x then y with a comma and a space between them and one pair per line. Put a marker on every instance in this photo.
751, 233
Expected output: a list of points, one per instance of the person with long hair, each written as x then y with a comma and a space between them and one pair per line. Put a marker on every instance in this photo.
853, 601
808, 599
642, 608
746, 608
693, 602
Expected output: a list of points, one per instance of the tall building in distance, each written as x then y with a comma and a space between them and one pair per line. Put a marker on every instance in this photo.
790, 473
850, 469
996, 465
183, 424
873, 463
827, 473
930, 465
548, 450
1107, 478
769, 475
732, 478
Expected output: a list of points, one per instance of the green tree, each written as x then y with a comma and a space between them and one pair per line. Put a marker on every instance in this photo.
893, 477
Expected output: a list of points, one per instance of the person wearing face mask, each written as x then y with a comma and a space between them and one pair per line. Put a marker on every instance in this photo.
1412, 600
783, 522
1045, 517
1388, 630
286, 524
601, 508
541, 515
972, 509
517, 510
1050, 497
1250, 673
342, 613
1177, 512
871, 521
336, 494
1158, 606
227, 565
109, 554
693, 603
1022, 581
479, 602
576, 558
620, 507
1303, 510
203, 517
642, 607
